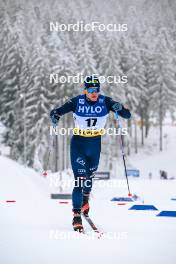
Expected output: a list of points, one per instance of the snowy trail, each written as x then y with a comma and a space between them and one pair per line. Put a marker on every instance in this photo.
152, 160
36, 229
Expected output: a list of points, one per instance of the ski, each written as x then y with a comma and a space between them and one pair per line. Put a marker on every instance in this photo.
92, 225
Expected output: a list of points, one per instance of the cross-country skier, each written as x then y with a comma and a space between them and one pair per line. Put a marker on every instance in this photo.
90, 111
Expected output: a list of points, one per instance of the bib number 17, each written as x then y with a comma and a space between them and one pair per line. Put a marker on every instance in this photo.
91, 122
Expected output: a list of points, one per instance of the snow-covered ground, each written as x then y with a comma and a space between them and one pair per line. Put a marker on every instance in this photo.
151, 160
36, 229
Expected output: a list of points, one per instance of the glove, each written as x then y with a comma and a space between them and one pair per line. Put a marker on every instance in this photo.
117, 107
54, 118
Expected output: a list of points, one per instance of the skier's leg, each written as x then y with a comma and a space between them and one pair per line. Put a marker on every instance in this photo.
77, 194
92, 165
78, 162
92, 157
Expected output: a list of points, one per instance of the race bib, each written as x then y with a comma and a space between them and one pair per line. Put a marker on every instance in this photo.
90, 116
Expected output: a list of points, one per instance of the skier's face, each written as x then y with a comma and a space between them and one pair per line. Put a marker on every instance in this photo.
93, 96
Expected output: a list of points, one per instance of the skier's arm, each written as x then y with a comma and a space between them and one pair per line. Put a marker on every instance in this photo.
69, 106
116, 106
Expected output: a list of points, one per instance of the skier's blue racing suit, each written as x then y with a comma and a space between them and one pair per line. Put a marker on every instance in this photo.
85, 148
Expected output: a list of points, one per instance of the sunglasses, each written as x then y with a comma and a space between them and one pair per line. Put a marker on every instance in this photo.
92, 90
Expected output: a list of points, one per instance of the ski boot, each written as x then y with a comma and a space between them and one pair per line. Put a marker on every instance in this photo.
77, 221
85, 205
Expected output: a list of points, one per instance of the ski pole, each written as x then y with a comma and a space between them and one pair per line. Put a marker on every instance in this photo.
123, 153
51, 145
